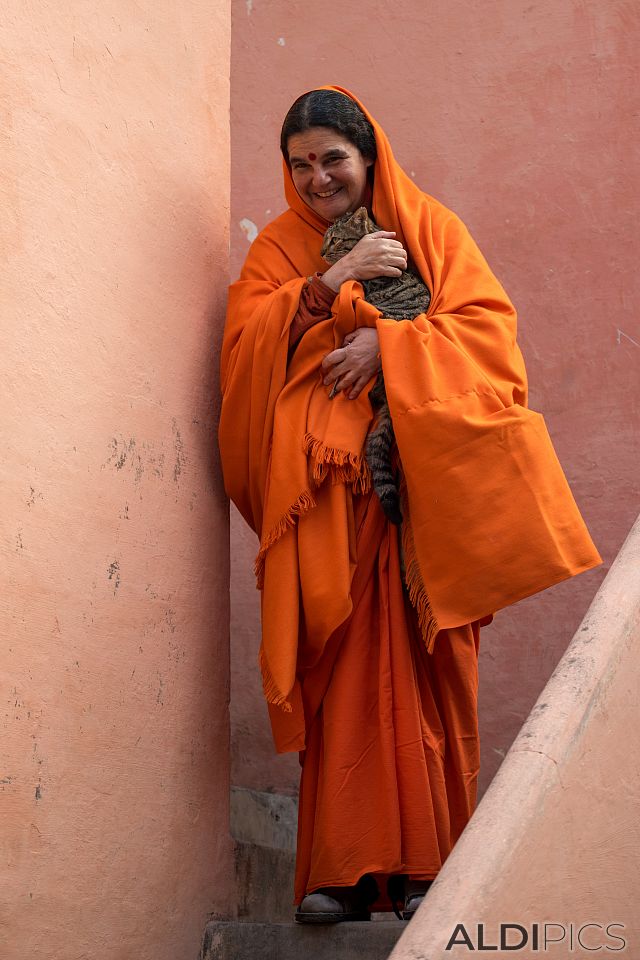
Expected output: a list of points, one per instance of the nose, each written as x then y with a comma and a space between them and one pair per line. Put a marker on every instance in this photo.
321, 178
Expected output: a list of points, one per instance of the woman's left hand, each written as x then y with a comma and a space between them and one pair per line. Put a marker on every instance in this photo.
351, 366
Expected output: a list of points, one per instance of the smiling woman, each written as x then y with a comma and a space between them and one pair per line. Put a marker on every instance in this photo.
370, 631
329, 147
328, 171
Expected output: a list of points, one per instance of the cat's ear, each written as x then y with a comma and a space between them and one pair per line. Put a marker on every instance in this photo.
361, 215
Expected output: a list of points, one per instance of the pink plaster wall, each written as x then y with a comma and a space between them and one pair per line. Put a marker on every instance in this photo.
518, 117
114, 669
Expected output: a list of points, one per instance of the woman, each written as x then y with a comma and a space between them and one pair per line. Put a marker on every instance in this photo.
370, 633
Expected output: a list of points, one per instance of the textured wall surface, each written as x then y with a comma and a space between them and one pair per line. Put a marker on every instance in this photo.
518, 117
554, 843
114, 608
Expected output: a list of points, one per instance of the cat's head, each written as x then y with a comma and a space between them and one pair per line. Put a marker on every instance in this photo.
344, 233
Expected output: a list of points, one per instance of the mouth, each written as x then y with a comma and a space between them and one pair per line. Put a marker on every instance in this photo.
328, 194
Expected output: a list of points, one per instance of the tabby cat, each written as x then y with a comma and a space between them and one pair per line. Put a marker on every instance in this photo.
399, 298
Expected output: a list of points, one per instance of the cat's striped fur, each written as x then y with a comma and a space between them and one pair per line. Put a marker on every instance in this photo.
400, 298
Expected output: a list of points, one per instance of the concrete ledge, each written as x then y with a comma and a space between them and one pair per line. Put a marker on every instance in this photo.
555, 838
291, 941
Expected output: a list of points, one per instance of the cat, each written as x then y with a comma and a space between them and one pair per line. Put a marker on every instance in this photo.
400, 298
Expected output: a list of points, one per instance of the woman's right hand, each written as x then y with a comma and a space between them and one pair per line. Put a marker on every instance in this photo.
374, 255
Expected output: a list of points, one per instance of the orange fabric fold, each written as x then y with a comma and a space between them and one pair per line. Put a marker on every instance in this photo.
491, 518
390, 770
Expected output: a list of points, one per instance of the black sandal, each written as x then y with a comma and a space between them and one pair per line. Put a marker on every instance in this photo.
406, 895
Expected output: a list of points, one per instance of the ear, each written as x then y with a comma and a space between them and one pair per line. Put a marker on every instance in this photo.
360, 216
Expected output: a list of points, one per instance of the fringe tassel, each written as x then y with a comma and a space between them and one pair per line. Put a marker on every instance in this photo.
270, 687
304, 502
344, 466
415, 585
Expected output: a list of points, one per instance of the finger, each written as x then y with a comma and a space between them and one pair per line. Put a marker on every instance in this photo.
382, 233
334, 374
336, 356
348, 379
358, 387
338, 386
351, 340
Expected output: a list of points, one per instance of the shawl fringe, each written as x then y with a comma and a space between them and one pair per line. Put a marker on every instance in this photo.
271, 690
304, 502
345, 467
414, 582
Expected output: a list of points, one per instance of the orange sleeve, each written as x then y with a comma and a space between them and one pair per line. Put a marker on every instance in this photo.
316, 300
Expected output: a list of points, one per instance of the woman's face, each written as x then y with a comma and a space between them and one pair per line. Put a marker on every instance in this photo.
328, 171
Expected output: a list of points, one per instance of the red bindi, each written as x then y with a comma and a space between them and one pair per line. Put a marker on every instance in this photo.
312, 156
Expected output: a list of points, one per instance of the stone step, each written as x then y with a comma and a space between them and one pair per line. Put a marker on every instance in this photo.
264, 882
233, 940
263, 826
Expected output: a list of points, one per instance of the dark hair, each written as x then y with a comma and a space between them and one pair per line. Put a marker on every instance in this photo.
328, 108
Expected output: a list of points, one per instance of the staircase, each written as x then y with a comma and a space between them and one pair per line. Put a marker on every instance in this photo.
554, 841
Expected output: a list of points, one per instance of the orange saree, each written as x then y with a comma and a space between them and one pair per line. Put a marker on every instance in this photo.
392, 753
346, 649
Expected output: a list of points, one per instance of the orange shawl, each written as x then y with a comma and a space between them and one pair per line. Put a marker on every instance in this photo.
489, 517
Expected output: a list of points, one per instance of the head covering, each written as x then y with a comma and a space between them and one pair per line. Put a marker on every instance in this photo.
481, 477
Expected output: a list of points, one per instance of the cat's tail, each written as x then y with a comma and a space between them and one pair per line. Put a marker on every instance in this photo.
378, 447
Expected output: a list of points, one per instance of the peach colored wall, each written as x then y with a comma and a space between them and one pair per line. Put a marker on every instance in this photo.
517, 116
556, 837
114, 238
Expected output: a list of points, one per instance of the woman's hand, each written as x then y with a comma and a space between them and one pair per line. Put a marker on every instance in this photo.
351, 366
375, 255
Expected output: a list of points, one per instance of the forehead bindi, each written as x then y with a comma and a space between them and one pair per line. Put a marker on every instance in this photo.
316, 144
325, 155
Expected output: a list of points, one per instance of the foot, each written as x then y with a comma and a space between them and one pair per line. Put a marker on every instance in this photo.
414, 893
406, 895
337, 904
